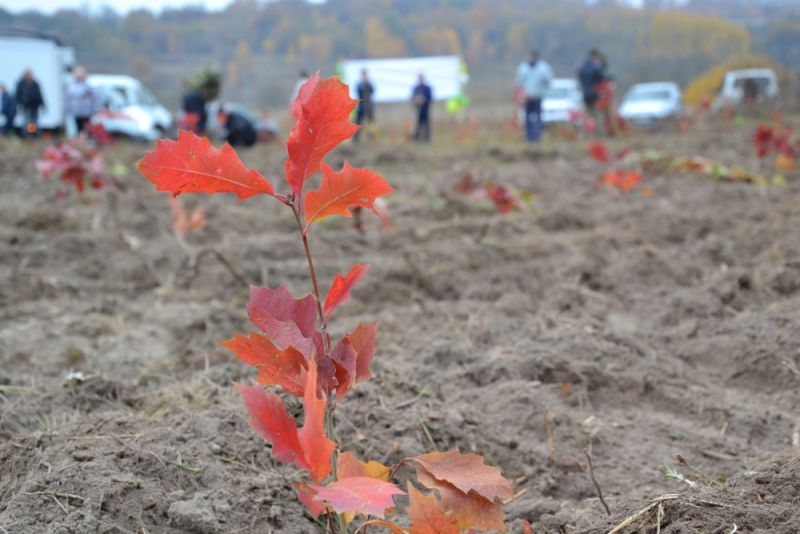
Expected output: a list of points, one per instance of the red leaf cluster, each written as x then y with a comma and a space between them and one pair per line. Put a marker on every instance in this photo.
73, 164
307, 448
769, 138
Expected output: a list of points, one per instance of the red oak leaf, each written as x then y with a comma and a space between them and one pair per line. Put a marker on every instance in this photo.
343, 190
285, 320
426, 515
349, 466
364, 495
526, 527
306, 496
315, 444
340, 289
343, 358
192, 165
599, 152
470, 510
269, 418
467, 473
362, 340
276, 366
322, 109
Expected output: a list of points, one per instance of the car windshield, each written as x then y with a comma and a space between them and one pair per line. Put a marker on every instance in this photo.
558, 93
648, 95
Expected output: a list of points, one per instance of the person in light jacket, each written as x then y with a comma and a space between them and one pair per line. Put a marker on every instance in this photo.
82, 101
534, 78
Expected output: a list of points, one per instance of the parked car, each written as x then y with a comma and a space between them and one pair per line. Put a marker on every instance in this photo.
129, 108
563, 102
740, 85
647, 103
50, 62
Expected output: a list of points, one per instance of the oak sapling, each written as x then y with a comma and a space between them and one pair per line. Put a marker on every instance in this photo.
295, 352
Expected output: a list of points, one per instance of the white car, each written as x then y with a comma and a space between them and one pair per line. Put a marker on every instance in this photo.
648, 103
129, 108
563, 101
762, 84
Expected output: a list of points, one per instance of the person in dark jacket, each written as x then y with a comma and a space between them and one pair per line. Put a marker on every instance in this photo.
365, 111
194, 109
590, 76
421, 98
8, 110
239, 131
29, 97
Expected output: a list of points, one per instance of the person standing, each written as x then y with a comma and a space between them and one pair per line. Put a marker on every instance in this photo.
534, 78
81, 100
29, 97
365, 111
8, 109
591, 76
421, 98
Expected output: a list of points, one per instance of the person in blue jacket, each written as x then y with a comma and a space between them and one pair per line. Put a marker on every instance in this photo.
8, 110
421, 98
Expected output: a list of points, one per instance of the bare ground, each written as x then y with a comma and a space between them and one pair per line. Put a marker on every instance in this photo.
639, 327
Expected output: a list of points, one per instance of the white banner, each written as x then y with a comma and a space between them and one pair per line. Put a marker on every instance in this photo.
394, 79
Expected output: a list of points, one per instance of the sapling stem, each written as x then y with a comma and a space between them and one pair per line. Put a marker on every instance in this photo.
326, 340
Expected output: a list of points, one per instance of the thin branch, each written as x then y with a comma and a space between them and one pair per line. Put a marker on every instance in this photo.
596, 485
323, 322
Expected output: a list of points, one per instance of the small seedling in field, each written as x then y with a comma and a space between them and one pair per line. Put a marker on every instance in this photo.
295, 352
75, 163
501, 197
622, 179
777, 139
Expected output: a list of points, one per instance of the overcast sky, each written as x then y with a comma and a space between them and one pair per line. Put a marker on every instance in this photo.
122, 6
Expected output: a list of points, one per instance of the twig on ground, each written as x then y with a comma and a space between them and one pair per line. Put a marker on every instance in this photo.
594, 480
630, 519
792, 368
549, 433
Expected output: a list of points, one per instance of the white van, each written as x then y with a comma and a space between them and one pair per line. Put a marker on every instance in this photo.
128, 108
50, 63
738, 85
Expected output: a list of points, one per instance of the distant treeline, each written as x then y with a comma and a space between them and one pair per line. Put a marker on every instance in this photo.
642, 44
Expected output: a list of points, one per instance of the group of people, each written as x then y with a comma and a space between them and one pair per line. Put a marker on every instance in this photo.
421, 99
81, 103
535, 75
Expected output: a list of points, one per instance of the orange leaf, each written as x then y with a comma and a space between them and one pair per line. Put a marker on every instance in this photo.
316, 445
364, 495
470, 510
526, 527
285, 320
426, 516
322, 109
340, 289
349, 466
467, 473
269, 418
784, 162
276, 366
343, 190
192, 165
